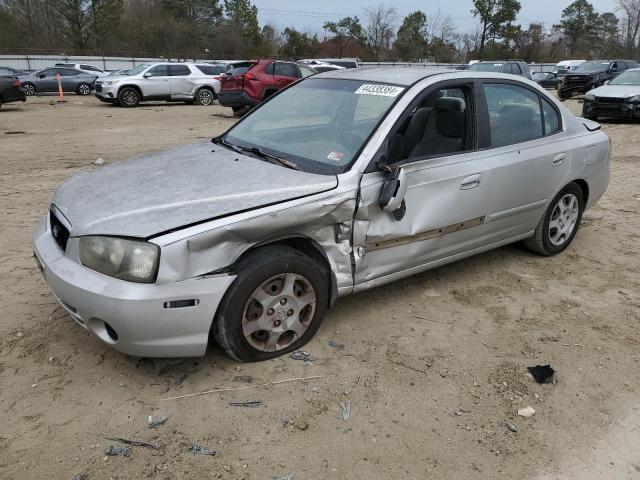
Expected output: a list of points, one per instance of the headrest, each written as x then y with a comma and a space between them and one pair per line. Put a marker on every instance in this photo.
450, 104
450, 124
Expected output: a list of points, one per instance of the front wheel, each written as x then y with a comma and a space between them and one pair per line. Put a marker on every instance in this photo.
128, 97
84, 89
560, 223
274, 306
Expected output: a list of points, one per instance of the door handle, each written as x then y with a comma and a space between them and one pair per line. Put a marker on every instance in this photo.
558, 160
470, 182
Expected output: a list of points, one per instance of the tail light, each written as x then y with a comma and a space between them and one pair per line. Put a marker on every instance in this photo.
16, 83
248, 76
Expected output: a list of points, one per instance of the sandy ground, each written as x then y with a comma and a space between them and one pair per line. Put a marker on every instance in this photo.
433, 366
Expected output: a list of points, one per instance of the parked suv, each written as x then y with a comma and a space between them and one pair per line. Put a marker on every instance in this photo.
513, 67
592, 74
171, 82
249, 83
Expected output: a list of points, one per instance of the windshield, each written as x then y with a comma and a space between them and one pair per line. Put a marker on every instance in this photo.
592, 67
630, 77
319, 124
136, 70
487, 67
539, 75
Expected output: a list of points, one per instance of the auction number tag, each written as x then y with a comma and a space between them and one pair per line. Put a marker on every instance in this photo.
380, 90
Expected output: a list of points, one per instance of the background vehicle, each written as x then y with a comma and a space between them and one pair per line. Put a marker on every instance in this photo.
514, 67
170, 82
249, 83
44, 80
562, 68
619, 98
546, 79
10, 90
340, 62
592, 74
84, 67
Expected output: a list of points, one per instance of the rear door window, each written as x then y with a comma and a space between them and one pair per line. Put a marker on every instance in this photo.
90, 68
515, 115
287, 70
515, 68
210, 69
179, 71
551, 118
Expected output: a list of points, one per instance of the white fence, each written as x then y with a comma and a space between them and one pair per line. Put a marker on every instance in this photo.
36, 62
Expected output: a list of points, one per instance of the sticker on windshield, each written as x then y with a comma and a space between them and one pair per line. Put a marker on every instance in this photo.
335, 156
380, 90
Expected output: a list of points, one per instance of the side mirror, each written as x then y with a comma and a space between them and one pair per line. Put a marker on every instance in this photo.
42, 75
147, 75
393, 192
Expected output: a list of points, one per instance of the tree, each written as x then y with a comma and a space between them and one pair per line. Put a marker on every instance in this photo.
346, 30
201, 12
529, 43
380, 30
411, 43
298, 45
243, 30
496, 19
630, 13
608, 33
578, 26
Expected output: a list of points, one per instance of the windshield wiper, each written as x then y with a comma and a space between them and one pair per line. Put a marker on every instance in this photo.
224, 143
267, 156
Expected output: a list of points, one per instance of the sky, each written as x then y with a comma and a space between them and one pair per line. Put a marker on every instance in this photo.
310, 16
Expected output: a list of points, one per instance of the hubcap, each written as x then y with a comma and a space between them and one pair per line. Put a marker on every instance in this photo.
85, 90
563, 219
278, 312
204, 97
29, 89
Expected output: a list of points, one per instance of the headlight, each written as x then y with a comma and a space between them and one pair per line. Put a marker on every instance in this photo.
109, 82
589, 97
131, 260
635, 99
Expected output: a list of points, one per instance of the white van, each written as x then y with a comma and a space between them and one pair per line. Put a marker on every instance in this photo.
567, 65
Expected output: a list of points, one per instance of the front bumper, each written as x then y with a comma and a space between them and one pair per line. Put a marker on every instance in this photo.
616, 108
236, 99
106, 92
568, 89
140, 315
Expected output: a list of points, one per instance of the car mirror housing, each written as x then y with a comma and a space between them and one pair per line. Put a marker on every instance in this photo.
393, 191
146, 75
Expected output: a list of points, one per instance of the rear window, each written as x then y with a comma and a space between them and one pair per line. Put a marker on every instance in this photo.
487, 67
211, 69
179, 70
240, 68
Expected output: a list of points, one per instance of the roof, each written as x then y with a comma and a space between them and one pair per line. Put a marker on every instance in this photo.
404, 76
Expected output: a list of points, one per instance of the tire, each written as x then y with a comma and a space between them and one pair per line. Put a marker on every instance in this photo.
300, 291
128, 97
239, 111
83, 89
29, 88
268, 93
204, 97
550, 238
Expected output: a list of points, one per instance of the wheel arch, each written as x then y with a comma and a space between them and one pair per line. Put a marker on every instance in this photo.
131, 85
303, 244
584, 186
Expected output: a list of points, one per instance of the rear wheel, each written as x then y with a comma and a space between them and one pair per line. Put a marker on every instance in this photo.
559, 225
129, 97
83, 89
29, 88
274, 306
204, 97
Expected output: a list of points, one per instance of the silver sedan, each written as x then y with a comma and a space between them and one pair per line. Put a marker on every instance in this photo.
344, 181
46, 80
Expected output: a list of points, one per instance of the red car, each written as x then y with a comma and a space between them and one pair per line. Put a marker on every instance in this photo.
249, 83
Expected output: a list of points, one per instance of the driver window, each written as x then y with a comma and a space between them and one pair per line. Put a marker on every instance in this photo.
439, 125
158, 71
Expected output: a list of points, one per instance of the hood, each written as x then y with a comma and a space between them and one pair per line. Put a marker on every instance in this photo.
175, 188
575, 73
616, 91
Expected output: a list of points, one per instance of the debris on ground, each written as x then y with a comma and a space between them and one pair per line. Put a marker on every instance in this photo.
301, 355
200, 450
14, 132
243, 378
511, 426
346, 410
99, 161
247, 403
155, 422
291, 476
135, 443
542, 373
81, 476
114, 451
526, 412
336, 345
301, 425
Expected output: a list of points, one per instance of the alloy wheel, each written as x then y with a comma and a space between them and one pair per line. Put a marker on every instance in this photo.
29, 89
564, 218
278, 312
205, 97
129, 97
84, 89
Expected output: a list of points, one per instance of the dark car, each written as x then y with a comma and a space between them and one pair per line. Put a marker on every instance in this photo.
513, 67
546, 79
592, 74
72, 80
10, 90
249, 83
